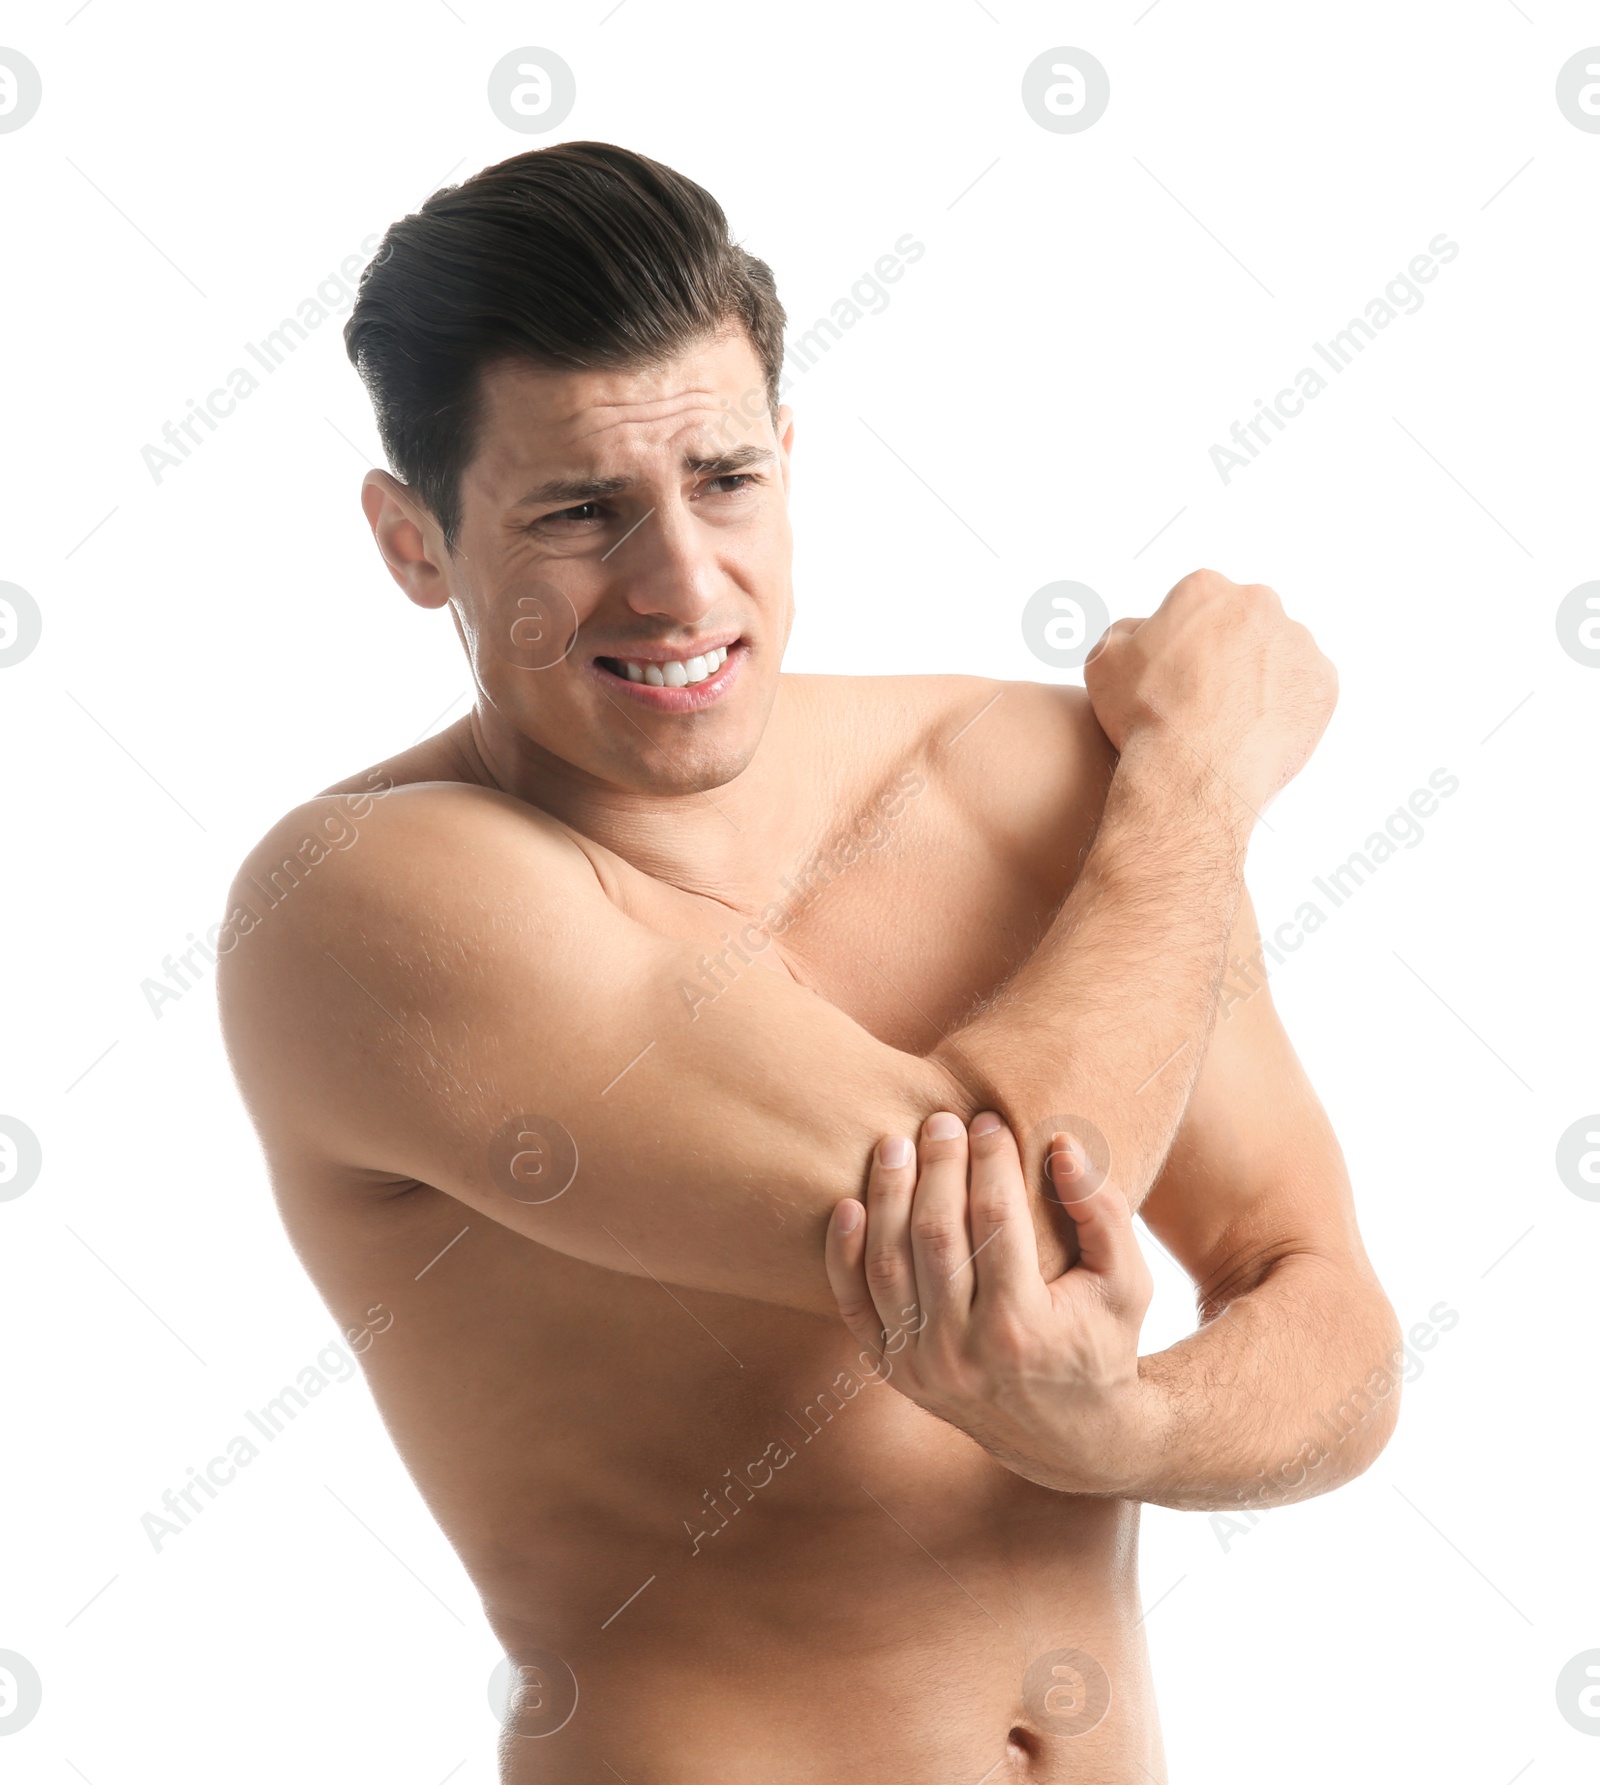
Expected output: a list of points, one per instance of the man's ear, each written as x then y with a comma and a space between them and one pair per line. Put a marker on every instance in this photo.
408, 537
784, 428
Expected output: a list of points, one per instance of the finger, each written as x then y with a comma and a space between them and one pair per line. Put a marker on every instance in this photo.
1114, 635
1106, 1246
890, 1276
1004, 1246
941, 1244
844, 1255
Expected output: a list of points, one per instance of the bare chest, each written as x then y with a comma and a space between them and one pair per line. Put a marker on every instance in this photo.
906, 929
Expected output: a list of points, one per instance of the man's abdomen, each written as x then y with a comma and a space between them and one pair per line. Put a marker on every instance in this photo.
718, 1544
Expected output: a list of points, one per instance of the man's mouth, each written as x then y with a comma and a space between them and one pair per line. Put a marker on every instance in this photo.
668, 672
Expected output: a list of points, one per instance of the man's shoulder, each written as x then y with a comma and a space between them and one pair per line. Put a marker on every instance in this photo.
373, 858
935, 706
438, 759
1020, 760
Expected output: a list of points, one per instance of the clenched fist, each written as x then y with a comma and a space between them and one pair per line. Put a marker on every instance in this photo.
1225, 673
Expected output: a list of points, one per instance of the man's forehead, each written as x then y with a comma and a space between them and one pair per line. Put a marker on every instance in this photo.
538, 418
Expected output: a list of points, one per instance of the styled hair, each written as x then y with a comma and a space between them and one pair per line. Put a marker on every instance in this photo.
578, 255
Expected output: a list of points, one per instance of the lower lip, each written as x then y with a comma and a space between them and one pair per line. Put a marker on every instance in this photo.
688, 699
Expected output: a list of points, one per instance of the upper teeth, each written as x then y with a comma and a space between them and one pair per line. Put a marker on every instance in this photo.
679, 674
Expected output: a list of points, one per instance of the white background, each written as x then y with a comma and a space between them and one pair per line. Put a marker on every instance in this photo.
1088, 319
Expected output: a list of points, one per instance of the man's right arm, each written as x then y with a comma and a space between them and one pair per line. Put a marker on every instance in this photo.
397, 1012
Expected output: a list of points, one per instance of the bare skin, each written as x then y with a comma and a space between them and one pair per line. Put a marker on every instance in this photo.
562, 1048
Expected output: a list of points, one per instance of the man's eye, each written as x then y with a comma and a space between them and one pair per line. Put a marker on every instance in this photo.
584, 511
738, 480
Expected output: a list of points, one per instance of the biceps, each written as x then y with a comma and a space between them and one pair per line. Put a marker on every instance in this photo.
712, 1138
578, 1084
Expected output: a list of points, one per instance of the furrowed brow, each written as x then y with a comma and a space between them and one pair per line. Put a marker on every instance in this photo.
572, 490
569, 491
726, 464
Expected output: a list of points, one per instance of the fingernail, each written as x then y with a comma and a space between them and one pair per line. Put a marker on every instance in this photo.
894, 1150
986, 1123
1066, 1156
847, 1216
943, 1126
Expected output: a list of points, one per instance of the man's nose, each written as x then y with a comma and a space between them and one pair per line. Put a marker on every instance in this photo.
665, 565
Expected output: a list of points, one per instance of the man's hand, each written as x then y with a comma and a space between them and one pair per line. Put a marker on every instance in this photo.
939, 1275
1220, 670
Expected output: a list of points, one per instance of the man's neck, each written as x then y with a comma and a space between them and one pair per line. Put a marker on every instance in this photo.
731, 842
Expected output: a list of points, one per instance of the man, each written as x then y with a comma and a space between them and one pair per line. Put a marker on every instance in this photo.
676, 1048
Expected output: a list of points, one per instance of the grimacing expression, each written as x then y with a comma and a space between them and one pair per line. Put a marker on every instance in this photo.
622, 579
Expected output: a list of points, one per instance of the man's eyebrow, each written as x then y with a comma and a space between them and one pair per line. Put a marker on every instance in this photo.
572, 490
725, 464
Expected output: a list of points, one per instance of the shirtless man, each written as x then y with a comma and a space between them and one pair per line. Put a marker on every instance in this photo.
677, 1055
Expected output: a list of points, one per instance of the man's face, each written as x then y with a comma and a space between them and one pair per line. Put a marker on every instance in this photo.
648, 510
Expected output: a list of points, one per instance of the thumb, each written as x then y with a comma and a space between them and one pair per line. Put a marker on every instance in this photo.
1097, 1207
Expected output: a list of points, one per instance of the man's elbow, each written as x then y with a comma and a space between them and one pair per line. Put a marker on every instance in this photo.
1357, 1401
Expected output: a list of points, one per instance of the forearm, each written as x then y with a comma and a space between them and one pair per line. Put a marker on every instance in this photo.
1108, 1020
1292, 1389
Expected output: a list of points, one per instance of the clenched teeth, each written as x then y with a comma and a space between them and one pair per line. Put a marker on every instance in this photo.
683, 673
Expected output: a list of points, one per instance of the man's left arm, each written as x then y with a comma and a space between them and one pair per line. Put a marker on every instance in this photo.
1290, 1385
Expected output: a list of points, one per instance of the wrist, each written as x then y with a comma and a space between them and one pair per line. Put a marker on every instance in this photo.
1189, 782
1148, 1432
1108, 1442
1137, 1419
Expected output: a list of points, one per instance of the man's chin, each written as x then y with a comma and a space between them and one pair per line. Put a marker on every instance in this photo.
680, 779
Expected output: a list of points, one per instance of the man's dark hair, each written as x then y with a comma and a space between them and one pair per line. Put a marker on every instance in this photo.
579, 255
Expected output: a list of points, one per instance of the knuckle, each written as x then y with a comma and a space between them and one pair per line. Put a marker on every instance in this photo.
935, 1233
990, 1210
1112, 1206
883, 1270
